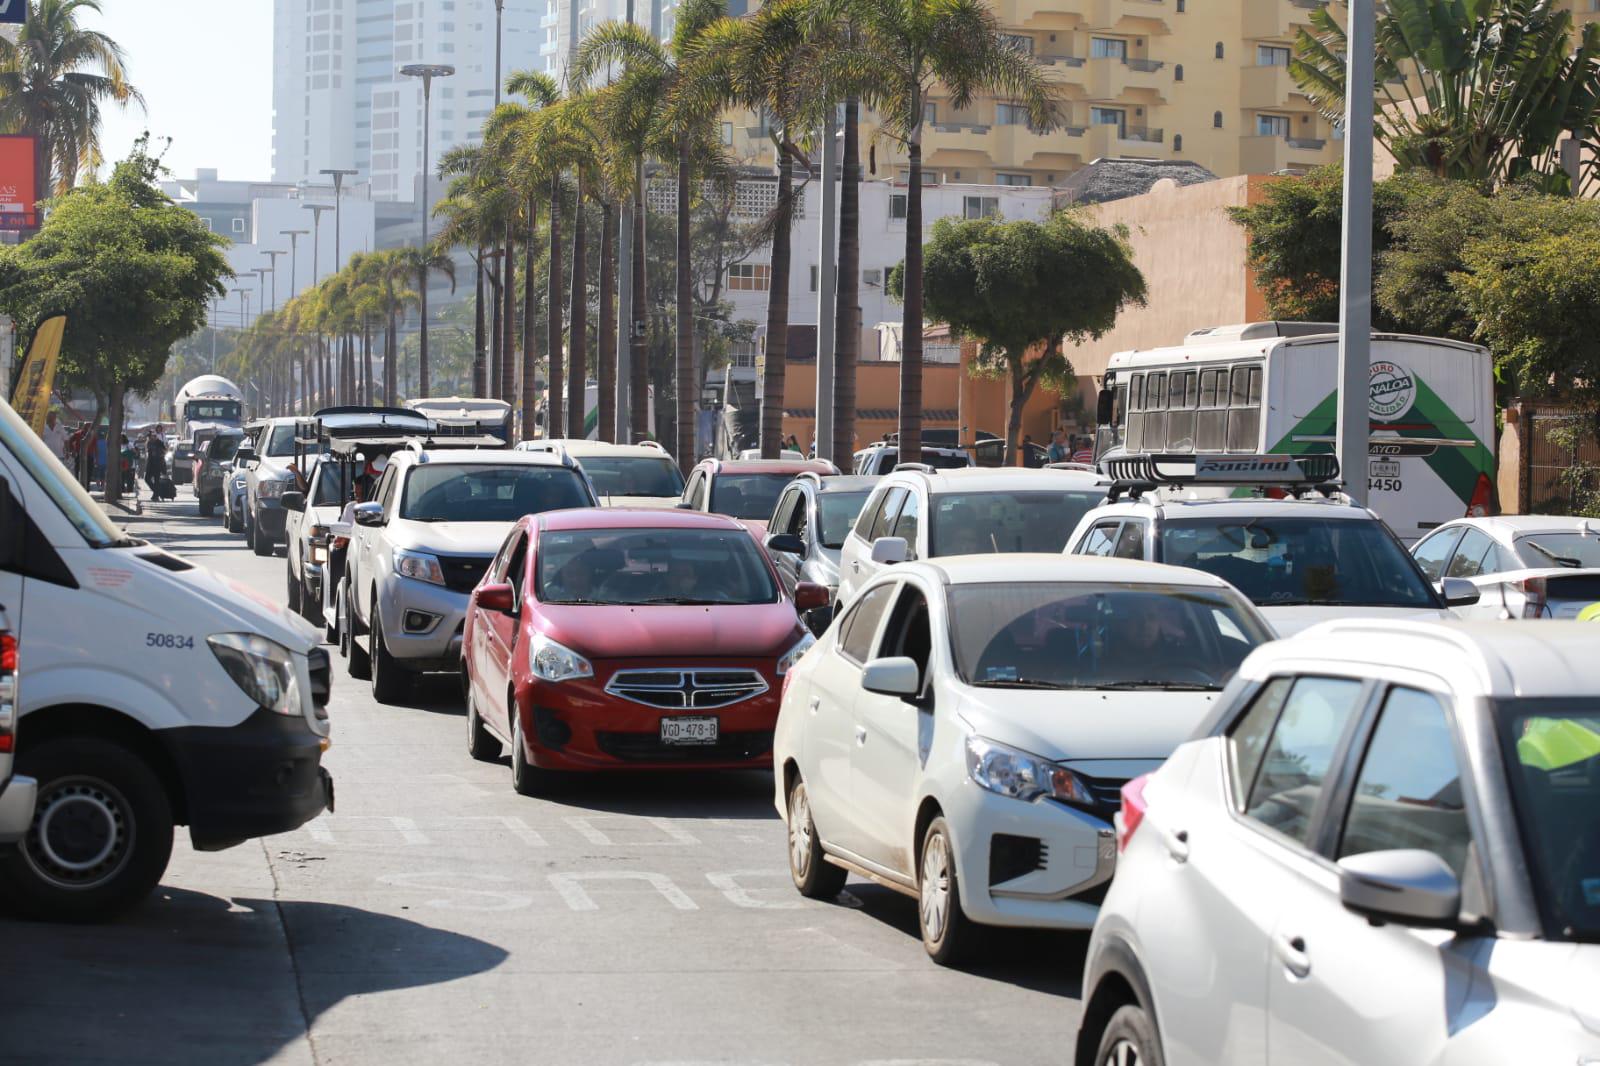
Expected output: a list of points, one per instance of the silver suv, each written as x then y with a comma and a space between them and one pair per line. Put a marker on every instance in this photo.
420, 547
265, 481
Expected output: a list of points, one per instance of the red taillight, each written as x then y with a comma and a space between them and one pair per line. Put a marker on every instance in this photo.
1533, 592
1133, 807
1275, 493
8, 652
1482, 498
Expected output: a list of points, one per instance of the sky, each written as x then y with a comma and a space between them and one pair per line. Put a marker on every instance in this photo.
205, 69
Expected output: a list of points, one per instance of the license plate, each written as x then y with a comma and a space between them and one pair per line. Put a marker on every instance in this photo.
1382, 469
688, 730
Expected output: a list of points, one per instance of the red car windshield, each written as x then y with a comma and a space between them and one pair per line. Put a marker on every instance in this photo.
652, 566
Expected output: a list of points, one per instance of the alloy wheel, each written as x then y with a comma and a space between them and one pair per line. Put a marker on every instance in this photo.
934, 902
1123, 1053
799, 832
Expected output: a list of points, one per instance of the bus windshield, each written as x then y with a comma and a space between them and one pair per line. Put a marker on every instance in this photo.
1287, 562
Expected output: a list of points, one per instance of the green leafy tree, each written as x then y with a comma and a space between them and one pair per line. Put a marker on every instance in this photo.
1002, 284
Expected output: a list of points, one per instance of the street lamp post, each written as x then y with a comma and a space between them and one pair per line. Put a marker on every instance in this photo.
294, 236
1355, 269
215, 301
272, 254
427, 72
338, 177
499, 18
317, 211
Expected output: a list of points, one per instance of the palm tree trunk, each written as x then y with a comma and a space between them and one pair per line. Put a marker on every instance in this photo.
422, 333
366, 367
847, 300
480, 368
497, 372
554, 423
639, 365
606, 371
686, 386
305, 382
578, 330
777, 313
530, 317
114, 419
391, 347
911, 324
508, 322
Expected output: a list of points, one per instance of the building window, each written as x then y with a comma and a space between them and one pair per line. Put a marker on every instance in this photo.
749, 277
1109, 116
206, 222
1177, 142
980, 206
873, 279
1177, 72
1272, 55
727, 133
897, 207
1216, 119
238, 225
930, 114
1013, 179
1010, 115
1272, 125
1219, 49
1020, 41
1108, 48
1180, 7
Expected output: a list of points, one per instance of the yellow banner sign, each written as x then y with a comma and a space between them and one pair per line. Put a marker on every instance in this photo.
31, 400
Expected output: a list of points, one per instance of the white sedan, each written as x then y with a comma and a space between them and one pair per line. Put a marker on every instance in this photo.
960, 734
1525, 566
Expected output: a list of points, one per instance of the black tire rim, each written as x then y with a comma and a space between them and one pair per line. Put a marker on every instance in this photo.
82, 834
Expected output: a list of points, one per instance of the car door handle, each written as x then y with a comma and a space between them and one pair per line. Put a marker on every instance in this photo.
1291, 951
816, 704
861, 735
1177, 844
855, 565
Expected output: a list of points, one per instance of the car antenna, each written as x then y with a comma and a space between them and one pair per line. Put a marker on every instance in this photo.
1505, 611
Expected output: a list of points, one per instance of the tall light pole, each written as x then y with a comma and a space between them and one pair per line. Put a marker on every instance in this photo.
1355, 268
272, 254
499, 17
338, 177
427, 72
294, 236
624, 434
215, 302
826, 271
316, 237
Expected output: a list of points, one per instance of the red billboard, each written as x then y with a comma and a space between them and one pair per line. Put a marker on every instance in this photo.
18, 195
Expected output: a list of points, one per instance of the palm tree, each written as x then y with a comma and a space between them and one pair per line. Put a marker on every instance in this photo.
903, 49
53, 81
474, 209
421, 263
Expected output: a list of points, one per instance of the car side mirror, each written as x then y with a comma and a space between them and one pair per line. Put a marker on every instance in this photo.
294, 501
1105, 407
809, 596
685, 505
1407, 886
897, 676
245, 455
1458, 592
497, 598
890, 550
787, 543
369, 514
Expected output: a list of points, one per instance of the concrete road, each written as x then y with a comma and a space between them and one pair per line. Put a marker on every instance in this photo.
439, 917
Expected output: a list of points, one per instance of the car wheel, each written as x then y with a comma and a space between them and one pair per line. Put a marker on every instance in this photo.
481, 744
341, 616
208, 506
388, 676
947, 932
101, 833
526, 778
359, 661
294, 591
261, 545
230, 520
814, 876
1129, 1040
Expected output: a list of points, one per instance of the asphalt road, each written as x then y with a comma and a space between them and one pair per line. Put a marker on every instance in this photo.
439, 917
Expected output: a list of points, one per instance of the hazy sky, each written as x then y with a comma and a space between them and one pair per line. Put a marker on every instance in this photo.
205, 68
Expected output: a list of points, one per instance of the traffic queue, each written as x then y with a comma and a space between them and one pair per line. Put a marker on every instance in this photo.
1028, 698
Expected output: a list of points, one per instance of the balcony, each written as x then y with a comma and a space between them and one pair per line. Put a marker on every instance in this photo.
1052, 59
1268, 89
1110, 78
1276, 20
1109, 141
959, 137
1109, 14
1266, 154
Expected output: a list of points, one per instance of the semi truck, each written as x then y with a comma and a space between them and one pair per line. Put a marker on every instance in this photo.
208, 398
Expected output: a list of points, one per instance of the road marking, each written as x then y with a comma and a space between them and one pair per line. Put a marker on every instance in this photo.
514, 825
585, 827
489, 899
457, 779
570, 888
728, 884
322, 832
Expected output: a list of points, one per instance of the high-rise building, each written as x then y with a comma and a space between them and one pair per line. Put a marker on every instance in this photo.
1194, 80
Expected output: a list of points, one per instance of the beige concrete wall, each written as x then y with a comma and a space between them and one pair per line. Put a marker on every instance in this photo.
1193, 259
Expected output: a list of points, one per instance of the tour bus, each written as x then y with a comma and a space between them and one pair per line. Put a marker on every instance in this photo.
1271, 388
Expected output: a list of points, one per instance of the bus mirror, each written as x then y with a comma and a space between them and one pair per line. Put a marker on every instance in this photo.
1105, 408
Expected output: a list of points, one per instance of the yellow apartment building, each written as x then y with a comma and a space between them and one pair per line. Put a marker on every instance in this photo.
1205, 81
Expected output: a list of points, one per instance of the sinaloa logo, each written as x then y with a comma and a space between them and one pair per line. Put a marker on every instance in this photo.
1392, 391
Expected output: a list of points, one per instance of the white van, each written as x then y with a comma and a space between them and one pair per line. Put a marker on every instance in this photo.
157, 694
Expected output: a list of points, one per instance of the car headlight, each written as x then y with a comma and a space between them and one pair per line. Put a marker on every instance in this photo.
793, 655
418, 565
553, 661
264, 669
1017, 774
271, 490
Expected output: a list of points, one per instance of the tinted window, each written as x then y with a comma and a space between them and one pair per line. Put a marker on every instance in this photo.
1432, 552
1470, 553
633, 476
748, 496
482, 493
1248, 741
1130, 542
906, 525
1299, 753
1280, 562
908, 633
869, 515
1560, 549
652, 566
517, 569
326, 492
971, 523
886, 514
855, 638
222, 448
1408, 794
839, 509
1102, 539
279, 440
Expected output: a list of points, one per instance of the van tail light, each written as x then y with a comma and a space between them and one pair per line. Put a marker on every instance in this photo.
1533, 597
8, 693
1133, 807
1482, 498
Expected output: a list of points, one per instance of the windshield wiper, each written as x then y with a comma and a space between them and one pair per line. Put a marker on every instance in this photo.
682, 601
1164, 686
1560, 560
1019, 682
125, 542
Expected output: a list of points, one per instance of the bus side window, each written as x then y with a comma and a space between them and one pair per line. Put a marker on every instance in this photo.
1183, 394
1244, 413
1155, 405
1211, 424
1136, 414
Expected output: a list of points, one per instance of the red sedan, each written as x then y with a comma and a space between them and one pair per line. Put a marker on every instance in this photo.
629, 639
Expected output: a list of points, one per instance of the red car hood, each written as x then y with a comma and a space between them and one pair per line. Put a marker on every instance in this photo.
732, 632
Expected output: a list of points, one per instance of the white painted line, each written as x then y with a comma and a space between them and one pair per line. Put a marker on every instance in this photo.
477, 899
514, 825
585, 827
570, 888
728, 884
321, 830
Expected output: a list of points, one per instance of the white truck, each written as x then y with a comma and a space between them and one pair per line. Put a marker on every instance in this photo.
208, 398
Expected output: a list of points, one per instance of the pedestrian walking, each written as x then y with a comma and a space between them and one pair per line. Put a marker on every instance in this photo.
155, 462
127, 463
55, 436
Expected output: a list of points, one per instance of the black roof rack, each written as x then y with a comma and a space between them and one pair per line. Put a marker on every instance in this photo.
1136, 474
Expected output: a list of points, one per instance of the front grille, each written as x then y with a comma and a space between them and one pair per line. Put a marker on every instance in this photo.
463, 572
647, 747
321, 681
686, 689
1107, 794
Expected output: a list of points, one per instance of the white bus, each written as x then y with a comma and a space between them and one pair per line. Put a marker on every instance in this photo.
1271, 388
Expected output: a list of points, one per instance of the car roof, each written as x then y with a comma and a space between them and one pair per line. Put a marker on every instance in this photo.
1002, 479
847, 482
1514, 524
946, 449
1241, 507
770, 466
634, 518
1497, 659
1032, 568
475, 457
578, 449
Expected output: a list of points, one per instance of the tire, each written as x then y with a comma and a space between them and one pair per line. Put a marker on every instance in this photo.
1129, 1040
112, 842
388, 676
526, 778
814, 876
947, 932
259, 544
359, 662
482, 745
208, 506
230, 520
294, 590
